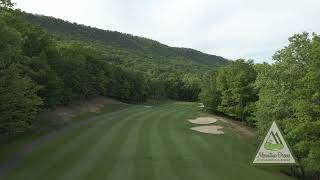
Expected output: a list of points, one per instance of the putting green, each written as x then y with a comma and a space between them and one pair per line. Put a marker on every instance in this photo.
139, 143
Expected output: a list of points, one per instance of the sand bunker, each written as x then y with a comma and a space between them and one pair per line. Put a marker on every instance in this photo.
147, 106
201, 105
212, 129
203, 120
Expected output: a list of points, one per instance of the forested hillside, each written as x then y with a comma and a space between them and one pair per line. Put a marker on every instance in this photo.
138, 45
46, 62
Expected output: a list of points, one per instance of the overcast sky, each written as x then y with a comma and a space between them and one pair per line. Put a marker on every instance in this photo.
252, 29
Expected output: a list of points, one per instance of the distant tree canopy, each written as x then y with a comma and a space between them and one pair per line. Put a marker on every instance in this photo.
134, 46
173, 72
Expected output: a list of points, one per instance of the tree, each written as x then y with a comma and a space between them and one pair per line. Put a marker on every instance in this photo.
231, 90
10, 40
210, 96
235, 82
18, 94
289, 92
18, 100
52, 86
6, 3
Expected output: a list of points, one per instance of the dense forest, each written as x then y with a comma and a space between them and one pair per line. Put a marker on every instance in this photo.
287, 91
46, 66
140, 46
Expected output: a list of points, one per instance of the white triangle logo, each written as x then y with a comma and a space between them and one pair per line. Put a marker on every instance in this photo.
274, 149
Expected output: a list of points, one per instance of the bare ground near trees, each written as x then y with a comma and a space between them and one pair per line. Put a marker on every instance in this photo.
243, 130
65, 113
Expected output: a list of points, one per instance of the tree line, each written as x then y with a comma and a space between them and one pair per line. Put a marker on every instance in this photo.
40, 70
132, 44
286, 91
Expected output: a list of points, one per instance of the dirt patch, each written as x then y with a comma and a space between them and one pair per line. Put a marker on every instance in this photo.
243, 130
211, 129
203, 120
64, 114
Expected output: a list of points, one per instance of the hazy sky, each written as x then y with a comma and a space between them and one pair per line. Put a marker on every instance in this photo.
230, 28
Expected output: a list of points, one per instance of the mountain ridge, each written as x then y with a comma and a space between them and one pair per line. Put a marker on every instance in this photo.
123, 41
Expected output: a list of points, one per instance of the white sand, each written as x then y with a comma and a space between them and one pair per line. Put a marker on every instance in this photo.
147, 106
203, 120
201, 105
212, 129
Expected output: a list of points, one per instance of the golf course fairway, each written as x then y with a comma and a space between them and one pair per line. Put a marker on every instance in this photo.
142, 143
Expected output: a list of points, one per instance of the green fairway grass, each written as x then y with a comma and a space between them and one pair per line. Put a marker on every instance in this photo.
10, 144
140, 143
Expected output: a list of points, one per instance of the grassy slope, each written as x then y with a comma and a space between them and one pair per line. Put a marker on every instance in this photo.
143, 143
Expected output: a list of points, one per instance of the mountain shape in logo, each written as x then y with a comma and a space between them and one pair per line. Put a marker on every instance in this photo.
274, 142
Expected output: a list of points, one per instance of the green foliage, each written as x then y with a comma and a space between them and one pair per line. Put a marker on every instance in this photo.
231, 90
10, 40
133, 45
166, 71
52, 85
6, 3
18, 100
289, 92
236, 84
39, 71
210, 96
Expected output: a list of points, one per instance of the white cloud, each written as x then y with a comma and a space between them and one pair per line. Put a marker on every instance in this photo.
234, 29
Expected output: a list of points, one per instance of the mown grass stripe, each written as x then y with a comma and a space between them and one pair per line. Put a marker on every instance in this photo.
216, 164
177, 162
61, 146
15, 160
72, 160
91, 156
105, 164
120, 168
144, 167
189, 149
83, 125
124, 166
161, 164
